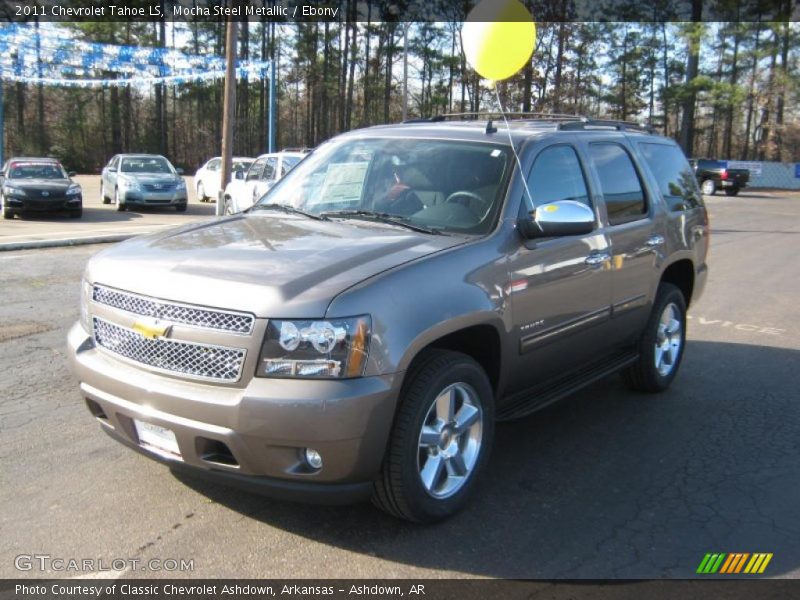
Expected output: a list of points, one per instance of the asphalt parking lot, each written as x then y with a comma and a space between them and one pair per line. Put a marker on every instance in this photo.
606, 484
100, 219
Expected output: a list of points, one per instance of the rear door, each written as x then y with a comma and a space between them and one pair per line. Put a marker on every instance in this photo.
635, 229
560, 287
212, 176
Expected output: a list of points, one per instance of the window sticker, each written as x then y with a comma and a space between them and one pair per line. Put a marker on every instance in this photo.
344, 181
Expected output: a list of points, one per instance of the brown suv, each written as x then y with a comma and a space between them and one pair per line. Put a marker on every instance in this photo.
359, 331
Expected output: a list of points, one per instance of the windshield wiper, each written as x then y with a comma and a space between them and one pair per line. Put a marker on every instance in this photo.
381, 217
287, 209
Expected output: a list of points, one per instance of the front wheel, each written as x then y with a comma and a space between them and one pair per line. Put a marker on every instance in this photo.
7, 212
118, 201
709, 187
180, 208
103, 196
661, 344
441, 439
227, 206
201, 192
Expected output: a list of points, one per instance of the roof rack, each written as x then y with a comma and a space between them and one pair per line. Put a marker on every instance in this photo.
519, 116
585, 124
565, 122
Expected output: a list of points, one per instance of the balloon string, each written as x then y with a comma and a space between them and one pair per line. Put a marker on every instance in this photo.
516, 155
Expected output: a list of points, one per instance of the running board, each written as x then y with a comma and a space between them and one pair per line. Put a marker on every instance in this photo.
529, 401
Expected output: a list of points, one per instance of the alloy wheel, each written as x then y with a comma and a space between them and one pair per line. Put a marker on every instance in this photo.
450, 440
669, 340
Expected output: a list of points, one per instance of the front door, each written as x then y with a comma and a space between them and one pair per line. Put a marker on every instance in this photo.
560, 287
267, 179
251, 181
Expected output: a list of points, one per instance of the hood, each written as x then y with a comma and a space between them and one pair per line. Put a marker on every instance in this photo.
151, 177
272, 265
50, 185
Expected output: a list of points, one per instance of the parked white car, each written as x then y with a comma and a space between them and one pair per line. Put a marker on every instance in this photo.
208, 177
247, 187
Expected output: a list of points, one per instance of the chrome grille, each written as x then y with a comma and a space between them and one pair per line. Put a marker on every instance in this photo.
177, 313
185, 358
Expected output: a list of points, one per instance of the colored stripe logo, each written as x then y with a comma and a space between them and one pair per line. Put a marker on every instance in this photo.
731, 563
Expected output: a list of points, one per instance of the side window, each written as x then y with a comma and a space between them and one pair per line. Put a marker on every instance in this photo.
673, 174
288, 163
214, 164
269, 169
557, 175
255, 169
621, 187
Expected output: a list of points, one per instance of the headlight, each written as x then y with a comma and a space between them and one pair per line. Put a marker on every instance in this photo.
86, 295
129, 184
10, 190
73, 190
321, 349
181, 185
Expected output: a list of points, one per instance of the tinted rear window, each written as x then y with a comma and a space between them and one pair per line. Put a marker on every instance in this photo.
674, 175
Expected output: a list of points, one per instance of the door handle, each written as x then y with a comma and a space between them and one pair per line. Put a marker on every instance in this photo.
656, 240
597, 258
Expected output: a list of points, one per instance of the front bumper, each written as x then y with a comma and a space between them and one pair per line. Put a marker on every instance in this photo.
145, 198
51, 204
264, 426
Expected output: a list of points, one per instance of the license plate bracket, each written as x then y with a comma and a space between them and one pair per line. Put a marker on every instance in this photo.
157, 439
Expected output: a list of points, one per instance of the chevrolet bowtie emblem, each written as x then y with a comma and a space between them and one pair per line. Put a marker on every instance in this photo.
152, 328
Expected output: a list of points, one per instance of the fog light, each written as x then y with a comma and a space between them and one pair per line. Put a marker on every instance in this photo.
313, 458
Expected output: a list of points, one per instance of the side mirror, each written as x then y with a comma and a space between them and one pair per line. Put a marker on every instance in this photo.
565, 217
179, 171
72, 173
112, 169
238, 175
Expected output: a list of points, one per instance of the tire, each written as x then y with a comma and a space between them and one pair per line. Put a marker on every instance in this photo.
103, 197
180, 208
708, 187
227, 206
120, 205
732, 191
201, 192
665, 331
7, 212
76, 213
462, 385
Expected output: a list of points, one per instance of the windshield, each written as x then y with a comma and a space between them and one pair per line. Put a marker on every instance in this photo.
36, 170
438, 184
145, 164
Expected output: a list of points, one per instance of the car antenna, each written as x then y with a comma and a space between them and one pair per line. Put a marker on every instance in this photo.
490, 128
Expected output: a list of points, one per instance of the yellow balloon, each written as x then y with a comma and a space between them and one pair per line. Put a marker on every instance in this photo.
498, 38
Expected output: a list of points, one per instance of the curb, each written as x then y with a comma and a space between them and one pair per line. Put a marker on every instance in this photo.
57, 243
